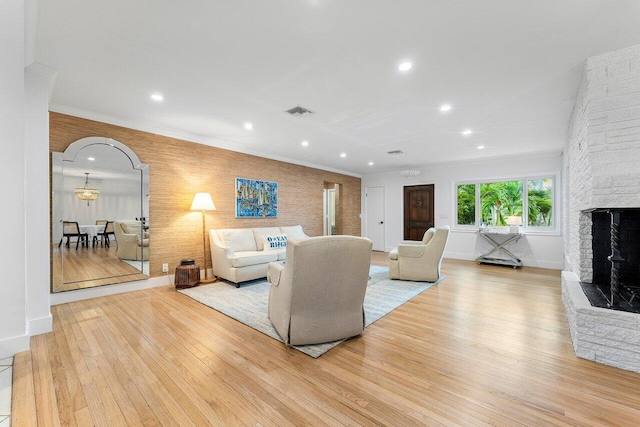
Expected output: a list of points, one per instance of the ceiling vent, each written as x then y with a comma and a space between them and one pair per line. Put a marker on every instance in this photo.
299, 111
394, 152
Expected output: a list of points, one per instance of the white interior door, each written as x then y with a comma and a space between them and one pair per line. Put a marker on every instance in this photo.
375, 216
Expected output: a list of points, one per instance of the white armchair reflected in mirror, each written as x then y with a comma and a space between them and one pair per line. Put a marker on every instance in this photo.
97, 183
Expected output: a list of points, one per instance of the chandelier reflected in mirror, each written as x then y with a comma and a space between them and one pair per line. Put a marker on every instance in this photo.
86, 192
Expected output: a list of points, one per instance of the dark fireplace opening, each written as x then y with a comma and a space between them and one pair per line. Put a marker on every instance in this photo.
616, 259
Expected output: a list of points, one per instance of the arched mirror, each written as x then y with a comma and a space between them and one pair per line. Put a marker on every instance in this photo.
100, 209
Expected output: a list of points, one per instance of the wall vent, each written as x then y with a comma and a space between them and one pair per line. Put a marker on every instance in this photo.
394, 152
298, 111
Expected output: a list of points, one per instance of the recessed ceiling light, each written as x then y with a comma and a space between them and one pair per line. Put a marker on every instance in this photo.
480, 147
405, 66
445, 107
157, 97
91, 159
248, 126
305, 143
467, 132
370, 163
343, 155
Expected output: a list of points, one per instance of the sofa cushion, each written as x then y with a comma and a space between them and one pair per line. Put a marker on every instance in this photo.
131, 228
259, 234
293, 232
282, 254
275, 242
246, 258
239, 239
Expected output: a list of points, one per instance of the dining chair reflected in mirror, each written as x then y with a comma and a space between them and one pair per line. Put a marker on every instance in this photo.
108, 230
105, 232
144, 221
72, 229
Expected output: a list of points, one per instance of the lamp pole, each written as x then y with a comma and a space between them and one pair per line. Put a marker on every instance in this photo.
204, 251
203, 202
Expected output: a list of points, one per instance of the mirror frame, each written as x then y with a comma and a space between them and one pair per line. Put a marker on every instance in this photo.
69, 155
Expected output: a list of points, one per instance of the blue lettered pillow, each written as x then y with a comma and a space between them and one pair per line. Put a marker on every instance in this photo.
279, 241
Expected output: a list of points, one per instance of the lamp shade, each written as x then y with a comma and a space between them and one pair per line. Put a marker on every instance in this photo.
514, 220
203, 202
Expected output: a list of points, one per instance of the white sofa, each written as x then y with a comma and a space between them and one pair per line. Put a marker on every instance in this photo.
238, 254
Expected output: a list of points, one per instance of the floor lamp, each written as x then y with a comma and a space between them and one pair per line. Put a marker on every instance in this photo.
203, 202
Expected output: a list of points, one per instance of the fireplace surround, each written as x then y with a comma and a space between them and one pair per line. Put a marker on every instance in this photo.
601, 180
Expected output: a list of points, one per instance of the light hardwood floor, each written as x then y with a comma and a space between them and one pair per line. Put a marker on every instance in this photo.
88, 267
489, 345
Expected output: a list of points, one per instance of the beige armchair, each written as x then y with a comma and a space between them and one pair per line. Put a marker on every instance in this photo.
318, 295
419, 260
133, 241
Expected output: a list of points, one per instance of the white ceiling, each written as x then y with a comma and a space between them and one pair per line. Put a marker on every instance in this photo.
509, 68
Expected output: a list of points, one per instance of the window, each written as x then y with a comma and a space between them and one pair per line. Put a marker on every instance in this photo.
540, 202
499, 200
467, 204
528, 201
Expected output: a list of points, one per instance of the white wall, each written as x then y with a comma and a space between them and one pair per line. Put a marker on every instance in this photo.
13, 326
24, 172
534, 250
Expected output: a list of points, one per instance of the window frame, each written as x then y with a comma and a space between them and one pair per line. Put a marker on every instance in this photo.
554, 229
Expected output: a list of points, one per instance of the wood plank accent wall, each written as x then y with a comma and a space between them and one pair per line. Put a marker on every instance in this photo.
178, 169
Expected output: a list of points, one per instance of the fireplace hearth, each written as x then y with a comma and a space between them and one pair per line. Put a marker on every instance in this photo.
615, 245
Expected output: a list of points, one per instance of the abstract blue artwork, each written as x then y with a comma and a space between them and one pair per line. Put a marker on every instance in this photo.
256, 199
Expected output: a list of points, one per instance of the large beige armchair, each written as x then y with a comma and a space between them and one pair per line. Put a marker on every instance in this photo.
318, 295
133, 241
419, 260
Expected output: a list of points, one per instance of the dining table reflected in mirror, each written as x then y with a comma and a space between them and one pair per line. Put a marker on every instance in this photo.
97, 183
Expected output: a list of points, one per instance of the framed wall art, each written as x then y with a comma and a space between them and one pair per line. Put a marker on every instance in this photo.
256, 199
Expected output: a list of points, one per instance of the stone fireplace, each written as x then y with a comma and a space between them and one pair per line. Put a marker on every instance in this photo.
601, 175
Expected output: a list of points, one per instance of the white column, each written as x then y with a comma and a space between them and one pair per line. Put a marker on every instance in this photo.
38, 80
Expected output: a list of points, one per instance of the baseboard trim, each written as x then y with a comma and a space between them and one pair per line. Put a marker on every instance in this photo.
11, 346
526, 262
101, 291
41, 325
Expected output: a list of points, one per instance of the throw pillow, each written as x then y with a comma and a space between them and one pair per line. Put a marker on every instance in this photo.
278, 241
293, 232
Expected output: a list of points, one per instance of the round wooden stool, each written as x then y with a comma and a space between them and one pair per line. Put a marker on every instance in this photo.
187, 274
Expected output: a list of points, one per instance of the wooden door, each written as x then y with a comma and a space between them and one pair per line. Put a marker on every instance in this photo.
418, 211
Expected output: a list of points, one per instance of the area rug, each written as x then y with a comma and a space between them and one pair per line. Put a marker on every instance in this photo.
249, 303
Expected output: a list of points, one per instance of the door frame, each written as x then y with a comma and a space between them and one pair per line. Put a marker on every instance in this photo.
327, 211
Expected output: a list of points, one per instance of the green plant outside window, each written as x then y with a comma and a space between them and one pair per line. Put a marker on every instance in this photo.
498, 200
501, 199
540, 202
467, 204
